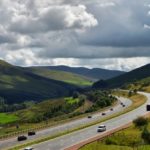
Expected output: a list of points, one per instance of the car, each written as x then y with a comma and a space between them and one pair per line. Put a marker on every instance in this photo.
30, 133
89, 116
101, 128
21, 138
111, 109
123, 105
28, 148
103, 114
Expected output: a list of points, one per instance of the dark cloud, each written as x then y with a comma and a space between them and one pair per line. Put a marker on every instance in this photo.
6, 38
120, 26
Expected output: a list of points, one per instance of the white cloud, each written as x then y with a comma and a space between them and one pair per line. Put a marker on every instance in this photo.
106, 4
51, 18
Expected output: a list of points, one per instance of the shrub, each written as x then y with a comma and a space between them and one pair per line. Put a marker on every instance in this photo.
146, 135
140, 121
111, 141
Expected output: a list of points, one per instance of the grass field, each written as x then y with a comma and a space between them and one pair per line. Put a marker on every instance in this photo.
71, 100
101, 146
7, 118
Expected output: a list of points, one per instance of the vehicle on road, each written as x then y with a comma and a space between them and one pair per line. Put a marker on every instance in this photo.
28, 148
30, 133
101, 128
103, 114
111, 109
22, 138
123, 105
89, 116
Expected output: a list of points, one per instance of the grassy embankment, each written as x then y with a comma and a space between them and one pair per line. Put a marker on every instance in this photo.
128, 139
137, 100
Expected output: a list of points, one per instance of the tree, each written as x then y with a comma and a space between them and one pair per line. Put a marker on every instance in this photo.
135, 91
140, 121
145, 135
130, 94
75, 94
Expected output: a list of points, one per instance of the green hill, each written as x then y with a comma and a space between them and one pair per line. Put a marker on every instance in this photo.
93, 74
18, 85
127, 78
62, 76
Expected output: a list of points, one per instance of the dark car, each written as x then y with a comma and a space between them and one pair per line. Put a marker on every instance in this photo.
28, 148
103, 114
123, 105
30, 133
89, 116
111, 109
22, 138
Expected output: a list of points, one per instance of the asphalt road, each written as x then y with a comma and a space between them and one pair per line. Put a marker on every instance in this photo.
67, 126
63, 142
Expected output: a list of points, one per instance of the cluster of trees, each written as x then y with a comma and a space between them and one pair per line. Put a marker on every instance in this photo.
132, 92
100, 99
4, 107
64, 109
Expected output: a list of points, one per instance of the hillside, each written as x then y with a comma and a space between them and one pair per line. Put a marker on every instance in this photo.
93, 74
17, 85
130, 77
142, 85
62, 76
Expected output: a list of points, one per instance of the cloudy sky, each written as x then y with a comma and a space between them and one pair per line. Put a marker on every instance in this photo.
113, 34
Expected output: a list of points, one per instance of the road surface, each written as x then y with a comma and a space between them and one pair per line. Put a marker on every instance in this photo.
67, 126
63, 142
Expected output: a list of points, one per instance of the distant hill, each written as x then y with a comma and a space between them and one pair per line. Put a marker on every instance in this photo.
92, 74
64, 76
127, 78
17, 85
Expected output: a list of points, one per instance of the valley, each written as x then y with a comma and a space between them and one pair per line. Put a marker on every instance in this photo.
72, 98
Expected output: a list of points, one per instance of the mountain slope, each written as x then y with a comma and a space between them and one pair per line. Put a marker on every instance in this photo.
62, 76
130, 77
93, 74
17, 85
141, 85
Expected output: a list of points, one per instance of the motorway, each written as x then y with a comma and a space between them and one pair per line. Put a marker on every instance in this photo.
63, 142
5, 144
